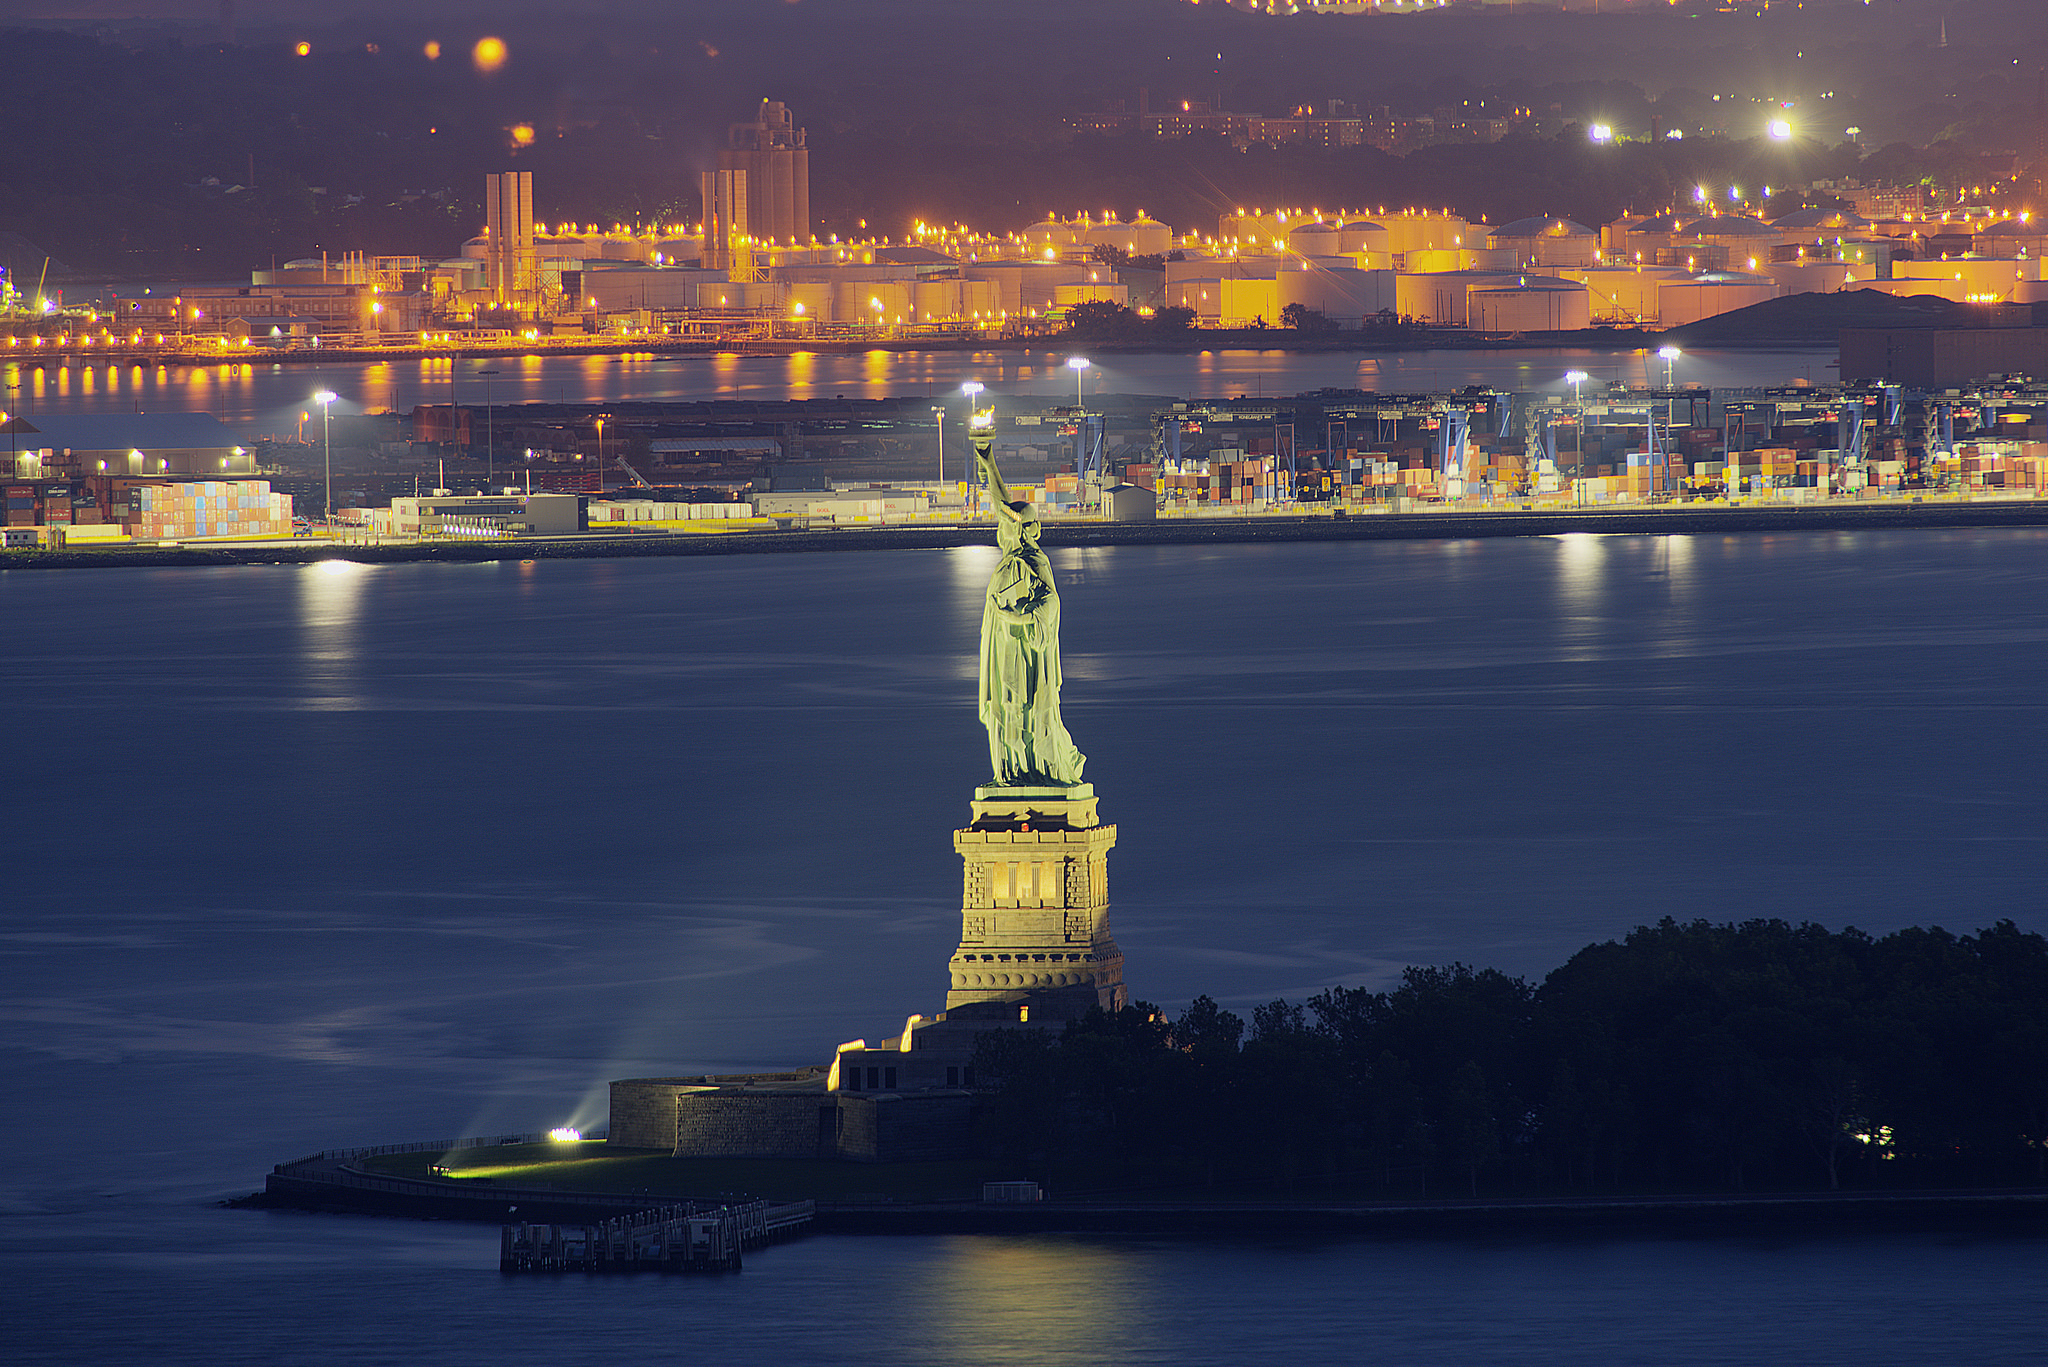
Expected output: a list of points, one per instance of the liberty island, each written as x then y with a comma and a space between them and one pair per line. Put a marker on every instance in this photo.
1034, 952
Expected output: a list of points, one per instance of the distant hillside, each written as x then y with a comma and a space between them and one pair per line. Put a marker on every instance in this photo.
1821, 317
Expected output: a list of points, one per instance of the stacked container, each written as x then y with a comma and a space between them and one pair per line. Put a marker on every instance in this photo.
227, 507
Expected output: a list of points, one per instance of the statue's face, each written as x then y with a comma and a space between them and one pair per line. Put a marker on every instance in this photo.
1010, 535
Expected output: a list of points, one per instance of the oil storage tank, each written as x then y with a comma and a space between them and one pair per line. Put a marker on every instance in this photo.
1707, 296
1141, 236
1534, 303
1441, 297
1342, 293
1623, 294
1547, 242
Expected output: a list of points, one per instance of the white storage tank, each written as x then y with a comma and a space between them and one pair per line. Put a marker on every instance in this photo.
1707, 296
1024, 286
1623, 295
1141, 236
1536, 303
1547, 242
1344, 294
1981, 276
1363, 235
1429, 232
1815, 277
1316, 239
871, 301
809, 299
1050, 232
1436, 260
1441, 298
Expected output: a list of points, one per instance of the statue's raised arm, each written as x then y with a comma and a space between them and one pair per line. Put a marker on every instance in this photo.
985, 464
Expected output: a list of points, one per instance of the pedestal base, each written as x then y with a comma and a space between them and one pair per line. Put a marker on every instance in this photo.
1072, 807
1034, 918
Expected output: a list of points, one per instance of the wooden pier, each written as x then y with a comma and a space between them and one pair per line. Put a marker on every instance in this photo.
680, 1238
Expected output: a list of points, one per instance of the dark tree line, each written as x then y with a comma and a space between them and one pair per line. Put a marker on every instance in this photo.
1760, 1056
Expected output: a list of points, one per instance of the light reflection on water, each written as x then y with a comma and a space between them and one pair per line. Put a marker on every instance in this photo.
225, 1288
268, 396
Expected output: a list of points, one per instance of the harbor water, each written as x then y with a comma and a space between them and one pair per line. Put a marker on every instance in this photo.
313, 856
266, 397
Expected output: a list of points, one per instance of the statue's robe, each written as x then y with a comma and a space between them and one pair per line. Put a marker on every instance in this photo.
1028, 746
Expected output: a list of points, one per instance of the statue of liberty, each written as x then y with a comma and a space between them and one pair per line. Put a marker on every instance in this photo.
1028, 746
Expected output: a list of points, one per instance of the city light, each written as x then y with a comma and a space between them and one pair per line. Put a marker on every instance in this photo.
1780, 130
566, 1134
1079, 365
1601, 132
488, 54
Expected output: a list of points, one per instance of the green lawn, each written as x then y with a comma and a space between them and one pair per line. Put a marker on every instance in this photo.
594, 1165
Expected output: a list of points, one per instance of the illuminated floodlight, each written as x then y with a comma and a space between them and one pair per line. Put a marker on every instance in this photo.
1079, 365
566, 1135
1601, 132
1669, 353
1676, 135
983, 420
971, 388
1780, 130
1575, 378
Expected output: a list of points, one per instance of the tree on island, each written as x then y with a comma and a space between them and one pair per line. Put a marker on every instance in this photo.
1687, 1056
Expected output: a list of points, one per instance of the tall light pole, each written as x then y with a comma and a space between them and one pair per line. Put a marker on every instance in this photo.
600, 456
490, 432
1079, 365
1577, 378
1670, 355
324, 398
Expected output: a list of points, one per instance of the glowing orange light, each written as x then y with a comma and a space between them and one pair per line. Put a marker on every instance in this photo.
432, 49
488, 54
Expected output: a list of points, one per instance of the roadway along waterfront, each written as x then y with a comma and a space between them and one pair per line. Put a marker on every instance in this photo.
1669, 520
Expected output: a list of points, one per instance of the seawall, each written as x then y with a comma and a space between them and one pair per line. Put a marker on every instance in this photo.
1211, 531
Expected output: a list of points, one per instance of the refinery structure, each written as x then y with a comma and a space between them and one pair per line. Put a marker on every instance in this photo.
751, 268
521, 283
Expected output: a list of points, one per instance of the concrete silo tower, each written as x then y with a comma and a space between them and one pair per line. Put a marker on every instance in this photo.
771, 153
